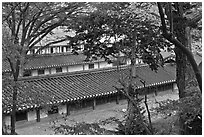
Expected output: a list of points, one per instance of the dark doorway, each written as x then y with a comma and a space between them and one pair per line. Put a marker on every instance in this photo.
22, 115
53, 110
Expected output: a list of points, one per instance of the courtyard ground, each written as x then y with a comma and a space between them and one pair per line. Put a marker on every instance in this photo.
102, 112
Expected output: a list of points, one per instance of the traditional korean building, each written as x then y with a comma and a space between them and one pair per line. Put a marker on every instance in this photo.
68, 82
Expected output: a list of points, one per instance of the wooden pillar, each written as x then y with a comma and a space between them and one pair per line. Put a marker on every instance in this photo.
38, 114
117, 98
59, 50
83, 67
67, 68
107, 99
172, 86
49, 70
94, 104
68, 109
98, 65
156, 90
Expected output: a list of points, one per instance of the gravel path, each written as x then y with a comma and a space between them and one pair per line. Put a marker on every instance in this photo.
88, 115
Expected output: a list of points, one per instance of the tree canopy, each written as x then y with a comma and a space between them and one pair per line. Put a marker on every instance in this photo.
109, 32
25, 24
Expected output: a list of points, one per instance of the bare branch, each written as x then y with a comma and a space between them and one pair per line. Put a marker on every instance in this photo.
31, 23
196, 18
11, 65
170, 17
164, 29
24, 29
136, 106
13, 23
51, 17
6, 18
146, 105
49, 29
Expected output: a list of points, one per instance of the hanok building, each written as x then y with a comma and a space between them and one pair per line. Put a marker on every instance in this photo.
70, 83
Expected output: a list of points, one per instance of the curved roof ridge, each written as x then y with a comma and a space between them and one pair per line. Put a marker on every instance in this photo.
84, 72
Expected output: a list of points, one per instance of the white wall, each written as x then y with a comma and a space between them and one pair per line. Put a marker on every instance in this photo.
57, 49
53, 70
32, 115
48, 50
75, 68
175, 88
64, 69
43, 51
137, 61
96, 65
34, 73
7, 120
60, 50
104, 64
64, 49
129, 62
47, 71
86, 66
43, 113
54, 51
62, 109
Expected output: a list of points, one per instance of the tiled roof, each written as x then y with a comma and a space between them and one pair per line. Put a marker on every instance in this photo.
50, 61
198, 57
89, 84
168, 56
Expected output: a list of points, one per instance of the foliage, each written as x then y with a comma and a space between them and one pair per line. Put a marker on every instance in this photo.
167, 126
135, 122
106, 33
182, 17
79, 129
82, 128
113, 31
189, 109
26, 24
136, 126
29, 23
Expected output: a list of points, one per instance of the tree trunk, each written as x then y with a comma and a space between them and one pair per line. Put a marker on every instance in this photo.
134, 113
15, 92
130, 107
13, 113
185, 61
184, 72
130, 117
180, 24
